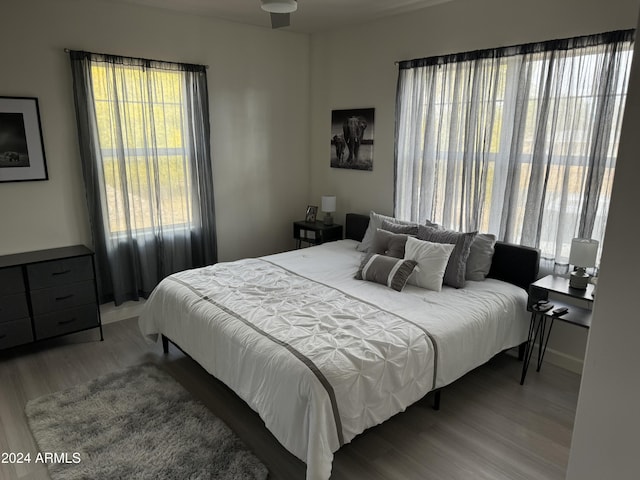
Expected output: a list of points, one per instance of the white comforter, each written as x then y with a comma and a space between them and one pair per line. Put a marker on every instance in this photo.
321, 356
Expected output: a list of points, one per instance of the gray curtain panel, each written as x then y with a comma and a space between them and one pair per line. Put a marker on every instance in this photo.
518, 141
144, 137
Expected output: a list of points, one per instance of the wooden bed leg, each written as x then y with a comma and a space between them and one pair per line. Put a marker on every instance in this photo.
436, 400
522, 348
165, 344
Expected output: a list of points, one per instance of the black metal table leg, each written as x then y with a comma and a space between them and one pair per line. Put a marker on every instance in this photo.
543, 327
537, 330
534, 328
546, 341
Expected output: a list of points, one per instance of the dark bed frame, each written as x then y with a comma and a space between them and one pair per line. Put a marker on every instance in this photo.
515, 264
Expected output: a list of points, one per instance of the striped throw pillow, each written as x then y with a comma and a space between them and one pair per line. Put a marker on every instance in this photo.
389, 271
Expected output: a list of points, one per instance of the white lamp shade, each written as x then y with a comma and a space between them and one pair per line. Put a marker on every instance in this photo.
583, 252
279, 6
329, 203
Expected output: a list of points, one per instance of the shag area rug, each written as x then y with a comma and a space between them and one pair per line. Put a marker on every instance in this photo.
136, 423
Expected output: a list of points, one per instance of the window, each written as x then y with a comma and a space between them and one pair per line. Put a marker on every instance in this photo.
143, 127
140, 125
519, 141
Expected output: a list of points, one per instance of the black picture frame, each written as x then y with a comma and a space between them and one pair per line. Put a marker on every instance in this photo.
22, 157
312, 212
352, 138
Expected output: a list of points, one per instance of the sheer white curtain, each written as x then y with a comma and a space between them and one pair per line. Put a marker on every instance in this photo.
143, 129
518, 141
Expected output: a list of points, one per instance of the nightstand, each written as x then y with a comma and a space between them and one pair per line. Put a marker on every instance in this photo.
555, 289
315, 233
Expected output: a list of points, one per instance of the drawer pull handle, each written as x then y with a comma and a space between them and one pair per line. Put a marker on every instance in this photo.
61, 273
65, 322
64, 298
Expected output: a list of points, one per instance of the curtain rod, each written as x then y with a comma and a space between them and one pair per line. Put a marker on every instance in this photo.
67, 50
556, 44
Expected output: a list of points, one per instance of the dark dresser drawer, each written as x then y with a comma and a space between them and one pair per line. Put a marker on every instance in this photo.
13, 307
66, 321
46, 293
69, 270
15, 333
48, 300
11, 280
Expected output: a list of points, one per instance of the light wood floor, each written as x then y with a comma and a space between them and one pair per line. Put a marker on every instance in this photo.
489, 427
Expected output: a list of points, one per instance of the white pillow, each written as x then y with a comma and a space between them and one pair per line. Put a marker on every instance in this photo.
375, 222
432, 261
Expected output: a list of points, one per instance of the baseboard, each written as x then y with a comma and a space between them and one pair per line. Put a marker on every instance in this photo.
109, 313
563, 360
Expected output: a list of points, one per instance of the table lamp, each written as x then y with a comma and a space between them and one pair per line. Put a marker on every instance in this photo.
279, 6
582, 256
328, 206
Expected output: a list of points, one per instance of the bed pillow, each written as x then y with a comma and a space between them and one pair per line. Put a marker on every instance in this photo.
455, 273
389, 271
480, 256
411, 229
389, 244
429, 223
375, 222
431, 259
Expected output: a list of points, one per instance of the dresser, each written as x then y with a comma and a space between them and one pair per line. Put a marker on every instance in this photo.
47, 293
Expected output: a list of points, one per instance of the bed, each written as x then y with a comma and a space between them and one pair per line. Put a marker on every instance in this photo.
322, 356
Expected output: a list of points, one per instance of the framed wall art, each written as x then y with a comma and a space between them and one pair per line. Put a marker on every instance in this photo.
352, 138
312, 212
21, 147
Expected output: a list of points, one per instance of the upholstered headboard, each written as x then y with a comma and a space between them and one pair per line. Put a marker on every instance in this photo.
511, 263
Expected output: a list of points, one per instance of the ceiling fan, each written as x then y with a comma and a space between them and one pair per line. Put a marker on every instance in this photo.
280, 11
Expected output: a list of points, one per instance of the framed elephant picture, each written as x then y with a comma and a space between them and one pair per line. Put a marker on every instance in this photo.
352, 138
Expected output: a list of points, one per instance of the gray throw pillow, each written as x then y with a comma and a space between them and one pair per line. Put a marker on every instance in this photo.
375, 222
407, 229
389, 244
429, 223
389, 271
480, 256
455, 273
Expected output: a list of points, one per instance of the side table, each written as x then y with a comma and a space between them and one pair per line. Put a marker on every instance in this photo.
315, 233
542, 321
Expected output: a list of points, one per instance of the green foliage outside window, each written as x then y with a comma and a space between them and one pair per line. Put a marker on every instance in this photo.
147, 181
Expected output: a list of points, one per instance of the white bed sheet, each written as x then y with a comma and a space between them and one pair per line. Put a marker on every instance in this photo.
468, 327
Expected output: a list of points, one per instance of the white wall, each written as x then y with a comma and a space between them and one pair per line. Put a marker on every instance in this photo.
354, 67
605, 435
259, 102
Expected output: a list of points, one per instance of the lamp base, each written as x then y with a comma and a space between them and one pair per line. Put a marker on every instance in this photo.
328, 219
579, 279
